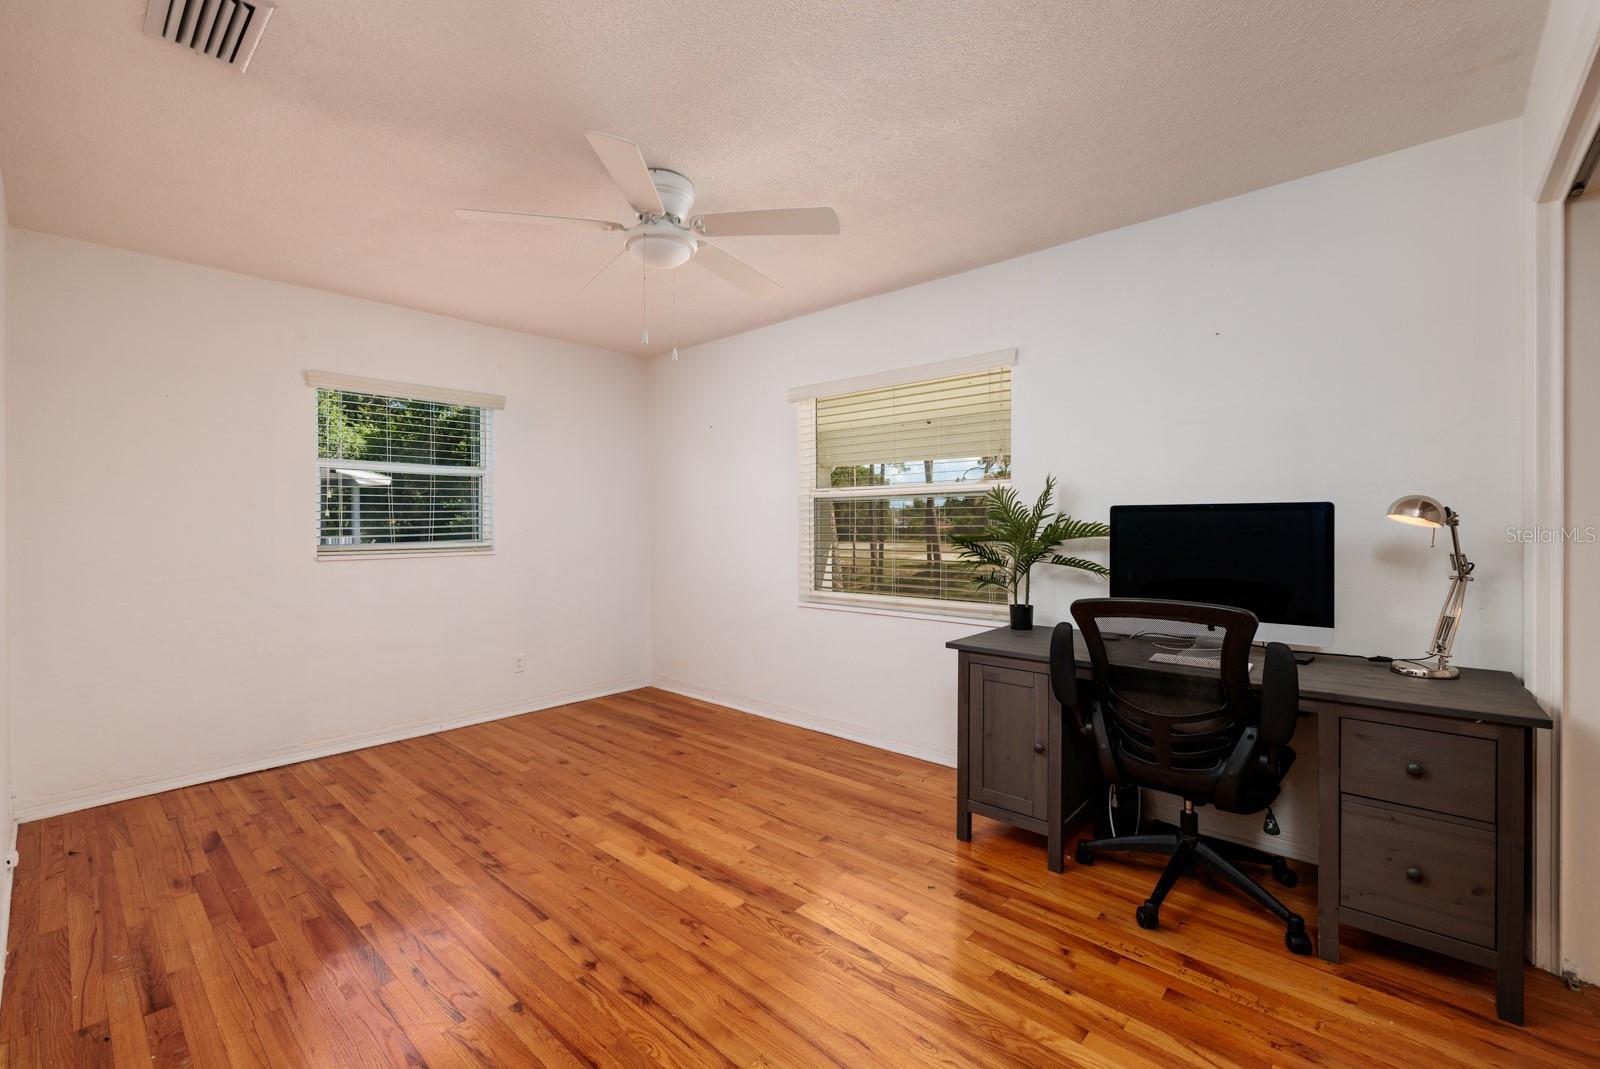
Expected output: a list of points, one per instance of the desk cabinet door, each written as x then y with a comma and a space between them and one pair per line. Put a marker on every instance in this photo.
1009, 736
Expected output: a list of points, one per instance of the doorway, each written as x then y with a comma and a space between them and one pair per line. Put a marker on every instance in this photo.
1580, 729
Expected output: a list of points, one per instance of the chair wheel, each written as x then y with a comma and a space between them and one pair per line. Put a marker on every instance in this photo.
1148, 916
1082, 854
1296, 938
1283, 873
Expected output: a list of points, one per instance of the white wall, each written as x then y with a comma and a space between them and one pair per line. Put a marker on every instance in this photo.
176, 625
1350, 336
8, 827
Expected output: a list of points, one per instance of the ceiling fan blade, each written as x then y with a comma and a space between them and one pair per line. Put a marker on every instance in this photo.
478, 215
596, 276
736, 271
767, 221
625, 163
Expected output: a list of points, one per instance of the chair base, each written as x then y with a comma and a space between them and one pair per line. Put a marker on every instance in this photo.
1238, 853
1187, 849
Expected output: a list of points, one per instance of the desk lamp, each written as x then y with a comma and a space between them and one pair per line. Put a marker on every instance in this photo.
1422, 511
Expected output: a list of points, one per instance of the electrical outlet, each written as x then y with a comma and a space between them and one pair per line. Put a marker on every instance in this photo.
519, 662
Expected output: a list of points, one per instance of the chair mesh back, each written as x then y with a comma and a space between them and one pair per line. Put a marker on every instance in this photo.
1175, 723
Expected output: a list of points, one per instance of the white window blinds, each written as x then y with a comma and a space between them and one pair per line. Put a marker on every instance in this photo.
888, 475
401, 473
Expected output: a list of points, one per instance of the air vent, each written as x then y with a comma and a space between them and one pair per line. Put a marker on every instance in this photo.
228, 30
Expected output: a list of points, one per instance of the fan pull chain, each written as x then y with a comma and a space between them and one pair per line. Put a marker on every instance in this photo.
644, 301
674, 317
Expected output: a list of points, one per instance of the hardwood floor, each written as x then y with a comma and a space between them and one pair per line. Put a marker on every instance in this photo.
647, 880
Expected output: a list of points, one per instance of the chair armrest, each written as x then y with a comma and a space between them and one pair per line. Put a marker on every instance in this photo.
1102, 745
1280, 695
1063, 665
1064, 674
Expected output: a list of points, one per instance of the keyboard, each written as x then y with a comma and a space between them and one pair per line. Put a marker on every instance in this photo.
1189, 660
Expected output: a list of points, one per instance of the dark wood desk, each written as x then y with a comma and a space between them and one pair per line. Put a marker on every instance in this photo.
1424, 784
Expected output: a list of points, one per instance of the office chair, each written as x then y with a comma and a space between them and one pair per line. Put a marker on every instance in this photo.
1203, 736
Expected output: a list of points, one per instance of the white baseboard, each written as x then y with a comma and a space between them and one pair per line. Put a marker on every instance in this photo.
843, 729
71, 801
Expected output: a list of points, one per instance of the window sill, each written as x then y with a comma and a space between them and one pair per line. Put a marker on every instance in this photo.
379, 554
969, 617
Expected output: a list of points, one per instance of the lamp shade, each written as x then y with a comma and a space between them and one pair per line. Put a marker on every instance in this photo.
1418, 509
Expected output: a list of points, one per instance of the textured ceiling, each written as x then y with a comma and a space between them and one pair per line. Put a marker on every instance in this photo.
947, 133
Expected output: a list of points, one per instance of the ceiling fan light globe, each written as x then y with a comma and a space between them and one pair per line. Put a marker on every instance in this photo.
662, 251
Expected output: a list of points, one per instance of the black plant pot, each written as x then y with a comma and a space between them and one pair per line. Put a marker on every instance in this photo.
1022, 617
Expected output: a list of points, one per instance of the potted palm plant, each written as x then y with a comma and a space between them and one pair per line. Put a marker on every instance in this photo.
1015, 538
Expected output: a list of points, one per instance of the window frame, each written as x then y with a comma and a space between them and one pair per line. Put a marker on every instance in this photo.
483, 471
805, 400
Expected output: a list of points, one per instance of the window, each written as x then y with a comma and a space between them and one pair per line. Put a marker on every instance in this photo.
399, 472
888, 474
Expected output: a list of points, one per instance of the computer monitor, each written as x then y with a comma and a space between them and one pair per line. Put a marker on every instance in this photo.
1274, 559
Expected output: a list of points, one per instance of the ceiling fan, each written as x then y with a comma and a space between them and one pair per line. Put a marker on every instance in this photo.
666, 235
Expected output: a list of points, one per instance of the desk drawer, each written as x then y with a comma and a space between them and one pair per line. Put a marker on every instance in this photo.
1429, 872
1428, 769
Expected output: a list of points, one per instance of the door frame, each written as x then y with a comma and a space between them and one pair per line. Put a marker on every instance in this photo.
1544, 465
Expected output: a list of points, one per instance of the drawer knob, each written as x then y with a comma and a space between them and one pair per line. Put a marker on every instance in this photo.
1038, 747
1414, 769
1414, 874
